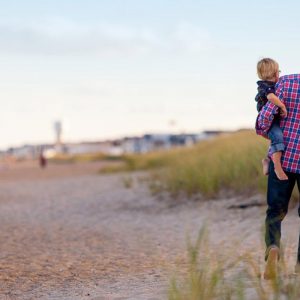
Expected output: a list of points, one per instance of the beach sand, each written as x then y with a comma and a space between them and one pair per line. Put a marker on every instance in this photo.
68, 232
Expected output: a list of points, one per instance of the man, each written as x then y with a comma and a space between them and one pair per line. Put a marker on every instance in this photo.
279, 191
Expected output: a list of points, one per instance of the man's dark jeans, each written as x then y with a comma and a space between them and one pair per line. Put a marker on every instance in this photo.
278, 197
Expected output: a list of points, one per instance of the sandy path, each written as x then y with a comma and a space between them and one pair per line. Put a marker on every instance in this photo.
89, 237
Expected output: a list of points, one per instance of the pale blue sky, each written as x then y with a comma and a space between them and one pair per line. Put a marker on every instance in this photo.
116, 68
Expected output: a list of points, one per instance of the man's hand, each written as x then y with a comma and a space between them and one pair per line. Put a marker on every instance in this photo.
283, 111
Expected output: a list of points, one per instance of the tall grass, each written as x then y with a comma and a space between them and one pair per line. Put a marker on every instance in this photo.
227, 162
146, 161
211, 275
231, 161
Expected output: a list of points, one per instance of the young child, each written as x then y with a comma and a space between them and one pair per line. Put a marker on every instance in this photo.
268, 72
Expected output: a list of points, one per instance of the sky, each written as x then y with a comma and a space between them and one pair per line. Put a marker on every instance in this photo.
109, 69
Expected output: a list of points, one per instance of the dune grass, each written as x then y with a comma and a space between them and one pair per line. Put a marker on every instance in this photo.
230, 161
211, 275
227, 162
147, 161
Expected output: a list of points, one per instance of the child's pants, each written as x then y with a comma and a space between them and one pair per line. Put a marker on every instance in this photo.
276, 136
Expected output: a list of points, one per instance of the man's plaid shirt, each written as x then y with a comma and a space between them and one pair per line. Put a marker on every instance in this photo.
288, 91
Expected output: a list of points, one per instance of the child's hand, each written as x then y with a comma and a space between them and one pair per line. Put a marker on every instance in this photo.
283, 112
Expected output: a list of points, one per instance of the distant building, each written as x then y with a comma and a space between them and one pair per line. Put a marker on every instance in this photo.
27, 151
153, 142
135, 144
87, 147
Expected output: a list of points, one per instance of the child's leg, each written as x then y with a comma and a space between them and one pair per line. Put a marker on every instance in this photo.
277, 147
276, 157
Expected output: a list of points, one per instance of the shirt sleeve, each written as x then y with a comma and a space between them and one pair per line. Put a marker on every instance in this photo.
279, 87
266, 115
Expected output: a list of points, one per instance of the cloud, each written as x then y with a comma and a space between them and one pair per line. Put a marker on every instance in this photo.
61, 37
191, 38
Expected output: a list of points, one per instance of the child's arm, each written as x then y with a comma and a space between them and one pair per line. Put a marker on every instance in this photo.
275, 100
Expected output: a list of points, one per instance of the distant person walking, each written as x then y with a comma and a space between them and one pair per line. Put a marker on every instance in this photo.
42, 160
279, 191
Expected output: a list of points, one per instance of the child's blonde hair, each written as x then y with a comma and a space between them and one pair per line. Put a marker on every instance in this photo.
267, 68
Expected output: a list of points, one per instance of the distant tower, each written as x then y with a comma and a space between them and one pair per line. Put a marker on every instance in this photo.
58, 129
173, 124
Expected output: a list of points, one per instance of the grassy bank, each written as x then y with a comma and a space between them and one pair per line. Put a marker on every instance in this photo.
78, 158
231, 161
227, 162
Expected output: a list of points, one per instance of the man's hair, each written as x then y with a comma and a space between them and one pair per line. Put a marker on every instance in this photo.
267, 68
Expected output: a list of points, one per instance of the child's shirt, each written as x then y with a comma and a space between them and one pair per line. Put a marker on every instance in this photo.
264, 88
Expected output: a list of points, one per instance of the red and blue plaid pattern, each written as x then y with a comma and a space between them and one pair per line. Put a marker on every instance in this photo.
288, 91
